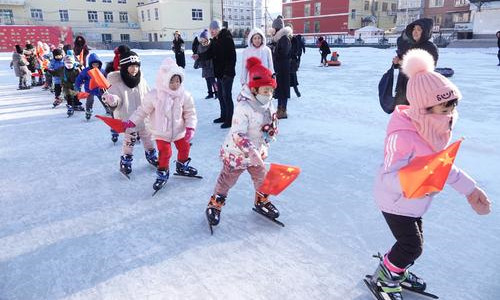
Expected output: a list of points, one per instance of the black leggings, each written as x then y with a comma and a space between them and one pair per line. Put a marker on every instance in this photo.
323, 58
409, 239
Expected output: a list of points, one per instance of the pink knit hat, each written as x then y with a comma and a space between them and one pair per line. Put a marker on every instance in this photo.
425, 89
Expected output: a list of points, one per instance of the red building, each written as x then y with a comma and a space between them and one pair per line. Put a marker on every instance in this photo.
10, 35
317, 17
446, 13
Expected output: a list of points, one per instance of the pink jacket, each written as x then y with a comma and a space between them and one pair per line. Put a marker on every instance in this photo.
168, 116
402, 144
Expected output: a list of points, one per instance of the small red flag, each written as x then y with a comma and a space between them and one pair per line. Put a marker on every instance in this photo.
82, 95
427, 174
278, 178
115, 124
97, 80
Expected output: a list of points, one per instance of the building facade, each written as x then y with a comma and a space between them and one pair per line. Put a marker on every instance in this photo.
243, 15
408, 11
485, 21
446, 13
317, 17
97, 20
378, 13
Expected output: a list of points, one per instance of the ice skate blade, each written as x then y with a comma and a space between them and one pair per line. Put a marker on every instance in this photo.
193, 176
269, 218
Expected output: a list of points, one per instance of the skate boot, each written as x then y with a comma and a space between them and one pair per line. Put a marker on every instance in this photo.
151, 157
413, 282
56, 102
88, 114
161, 180
264, 206
79, 107
388, 283
70, 110
213, 209
184, 169
114, 136
126, 164
210, 95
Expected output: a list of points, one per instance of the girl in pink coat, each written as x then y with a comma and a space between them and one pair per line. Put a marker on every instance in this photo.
172, 118
420, 129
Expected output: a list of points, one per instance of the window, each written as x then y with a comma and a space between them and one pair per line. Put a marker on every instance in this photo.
6, 17
307, 10
461, 17
394, 6
384, 6
197, 14
36, 14
63, 15
353, 14
125, 37
437, 19
460, 2
436, 3
306, 27
123, 17
123, 1
108, 17
142, 15
150, 37
155, 37
375, 5
106, 38
157, 14
317, 10
106, 1
367, 5
92, 15
316, 26
287, 13
90, 0
149, 15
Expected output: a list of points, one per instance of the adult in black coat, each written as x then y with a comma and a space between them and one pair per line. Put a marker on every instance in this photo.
79, 46
417, 35
281, 47
498, 44
223, 55
178, 48
295, 54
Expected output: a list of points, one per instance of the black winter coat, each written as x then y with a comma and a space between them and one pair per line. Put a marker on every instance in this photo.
222, 53
281, 48
178, 48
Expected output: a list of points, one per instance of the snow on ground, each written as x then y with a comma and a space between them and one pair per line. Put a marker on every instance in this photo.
71, 227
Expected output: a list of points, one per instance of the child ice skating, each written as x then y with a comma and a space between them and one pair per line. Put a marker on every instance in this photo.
172, 119
254, 126
68, 74
421, 129
125, 95
20, 66
56, 63
84, 78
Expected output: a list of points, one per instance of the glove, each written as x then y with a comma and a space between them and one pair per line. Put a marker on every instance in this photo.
255, 158
479, 201
128, 124
108, 99
189, 134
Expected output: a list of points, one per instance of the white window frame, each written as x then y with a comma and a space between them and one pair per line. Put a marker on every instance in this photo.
157, 14
123, 16
317, 9
122, 37
36, 14
197, 14
92, 16
108, 16
63, 15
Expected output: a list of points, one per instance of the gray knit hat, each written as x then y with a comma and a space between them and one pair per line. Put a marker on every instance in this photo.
278, 23
215, 24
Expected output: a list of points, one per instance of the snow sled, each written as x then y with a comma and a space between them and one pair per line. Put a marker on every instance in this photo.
334, 60
446, 72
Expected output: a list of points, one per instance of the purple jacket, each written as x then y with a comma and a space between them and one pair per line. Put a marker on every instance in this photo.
402, 144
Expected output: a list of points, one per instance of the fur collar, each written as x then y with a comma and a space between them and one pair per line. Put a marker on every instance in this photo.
285, 31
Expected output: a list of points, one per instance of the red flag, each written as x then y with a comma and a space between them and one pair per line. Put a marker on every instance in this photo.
427, 174
115, 124
97, 80
82, 95
278, 178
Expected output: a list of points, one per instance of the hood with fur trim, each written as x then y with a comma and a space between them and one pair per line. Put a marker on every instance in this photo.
285, 31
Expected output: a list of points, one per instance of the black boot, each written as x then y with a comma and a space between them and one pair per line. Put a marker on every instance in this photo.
210, 95
184, 169
213, 209
88, 114
219, 120
161, 179
151, 157
114, 136
126, 164
296, 89
264, 206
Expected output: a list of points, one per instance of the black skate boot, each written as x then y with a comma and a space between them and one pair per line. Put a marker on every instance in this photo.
210, 95
88, 114
183, 169
56, 102
161, 180
114, 136
79, 107
213, 209
126, 165
151, 157
70, 110
387, 283
264, 207
412, 282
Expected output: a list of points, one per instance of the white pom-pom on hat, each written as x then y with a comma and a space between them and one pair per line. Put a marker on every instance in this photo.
416, 61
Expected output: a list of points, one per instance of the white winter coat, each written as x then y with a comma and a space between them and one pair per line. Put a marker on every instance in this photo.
246, 130
263, 53
126, 100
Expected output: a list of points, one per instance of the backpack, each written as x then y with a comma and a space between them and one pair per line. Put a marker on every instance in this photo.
385, 97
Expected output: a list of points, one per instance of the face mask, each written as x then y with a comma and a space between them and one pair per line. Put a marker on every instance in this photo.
263, 99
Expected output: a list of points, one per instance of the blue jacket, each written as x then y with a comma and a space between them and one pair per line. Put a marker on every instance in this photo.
54, 65
84, 77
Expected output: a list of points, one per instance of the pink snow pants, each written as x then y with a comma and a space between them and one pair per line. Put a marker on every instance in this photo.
228, 177
130, 139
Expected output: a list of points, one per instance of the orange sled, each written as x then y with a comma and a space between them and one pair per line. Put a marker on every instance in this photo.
334, 60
